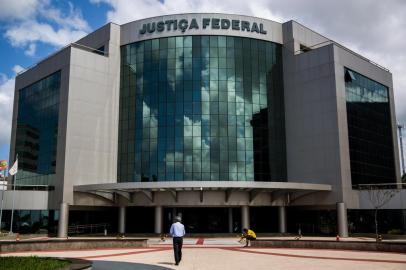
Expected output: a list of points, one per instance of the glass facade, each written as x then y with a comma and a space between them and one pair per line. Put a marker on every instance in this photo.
31, 221
369, 130
37, 131
197, 108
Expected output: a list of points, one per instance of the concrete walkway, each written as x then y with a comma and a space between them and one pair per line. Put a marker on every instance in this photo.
227, 253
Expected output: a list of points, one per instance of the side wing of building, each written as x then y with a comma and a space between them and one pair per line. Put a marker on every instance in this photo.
65, 126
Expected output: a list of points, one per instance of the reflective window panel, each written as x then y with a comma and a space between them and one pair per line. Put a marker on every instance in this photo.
37, 131
369, 130
199, 108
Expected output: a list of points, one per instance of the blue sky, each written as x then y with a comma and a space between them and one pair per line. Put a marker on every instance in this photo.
18, 56
32, 29
95, 16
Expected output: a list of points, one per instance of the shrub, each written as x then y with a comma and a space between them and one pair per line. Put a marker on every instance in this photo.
31, 263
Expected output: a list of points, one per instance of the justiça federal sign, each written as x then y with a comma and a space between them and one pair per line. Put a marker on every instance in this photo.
214, 23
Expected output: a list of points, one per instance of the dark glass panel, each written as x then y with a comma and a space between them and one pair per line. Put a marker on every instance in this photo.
369, 130
37, 131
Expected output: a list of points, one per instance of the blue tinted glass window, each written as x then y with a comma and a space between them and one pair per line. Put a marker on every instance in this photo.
200, 111
37, 131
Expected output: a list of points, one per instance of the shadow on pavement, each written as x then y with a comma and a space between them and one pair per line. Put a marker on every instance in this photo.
167, 263
107, 265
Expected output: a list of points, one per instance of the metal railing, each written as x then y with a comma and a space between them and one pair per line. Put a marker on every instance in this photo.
75, 45
9, 187
88, 228
329, 41
379, 186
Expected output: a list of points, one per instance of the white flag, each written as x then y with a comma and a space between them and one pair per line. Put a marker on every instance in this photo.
13, 170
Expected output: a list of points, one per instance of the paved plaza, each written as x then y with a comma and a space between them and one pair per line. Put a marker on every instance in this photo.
227, 253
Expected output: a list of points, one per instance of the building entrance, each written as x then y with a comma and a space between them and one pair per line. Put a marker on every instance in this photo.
205, 219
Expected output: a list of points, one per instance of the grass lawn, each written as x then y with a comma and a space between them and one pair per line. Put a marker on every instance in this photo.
30, 263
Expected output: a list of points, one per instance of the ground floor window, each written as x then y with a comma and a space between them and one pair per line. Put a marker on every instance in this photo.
31, 221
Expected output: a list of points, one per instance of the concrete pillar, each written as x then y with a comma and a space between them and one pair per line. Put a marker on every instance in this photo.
230, 220
63, 220
121, 219
282, 219
158, 219
342, 222
245, 217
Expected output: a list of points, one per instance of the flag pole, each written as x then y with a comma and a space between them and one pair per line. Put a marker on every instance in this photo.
14, 188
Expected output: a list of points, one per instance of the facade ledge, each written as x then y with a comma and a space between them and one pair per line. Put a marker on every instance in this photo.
203, 185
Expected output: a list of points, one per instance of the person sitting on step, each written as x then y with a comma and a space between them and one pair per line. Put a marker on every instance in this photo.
248, 235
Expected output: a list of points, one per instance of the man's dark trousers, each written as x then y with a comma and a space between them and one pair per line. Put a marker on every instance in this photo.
177, 248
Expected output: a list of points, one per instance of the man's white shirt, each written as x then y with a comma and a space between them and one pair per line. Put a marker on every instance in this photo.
177, 229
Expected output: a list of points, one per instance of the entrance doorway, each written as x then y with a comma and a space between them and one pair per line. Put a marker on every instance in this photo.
204, 219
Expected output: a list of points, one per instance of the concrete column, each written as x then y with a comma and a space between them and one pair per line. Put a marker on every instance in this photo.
158, 219
63, 220
342, 222
282, 219
245, 217
121, 219
230, 220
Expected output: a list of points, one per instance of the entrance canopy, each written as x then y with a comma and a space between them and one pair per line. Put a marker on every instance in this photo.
116, 191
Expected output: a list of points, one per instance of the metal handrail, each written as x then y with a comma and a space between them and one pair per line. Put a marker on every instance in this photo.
27, 187
329, 41
380, 186
92, 228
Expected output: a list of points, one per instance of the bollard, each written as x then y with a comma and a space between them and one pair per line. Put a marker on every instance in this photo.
17, 237
337, 238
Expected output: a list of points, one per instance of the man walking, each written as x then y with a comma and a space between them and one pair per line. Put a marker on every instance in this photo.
177, 231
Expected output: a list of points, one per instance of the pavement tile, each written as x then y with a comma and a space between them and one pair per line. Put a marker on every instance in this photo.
227, 253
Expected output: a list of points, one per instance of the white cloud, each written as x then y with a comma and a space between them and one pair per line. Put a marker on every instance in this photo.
125, 11
31, 49
40, 22
29, 32
72, 20
17, 69
6, 105
20, 9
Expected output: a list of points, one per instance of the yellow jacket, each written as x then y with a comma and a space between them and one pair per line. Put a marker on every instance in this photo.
251, 233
